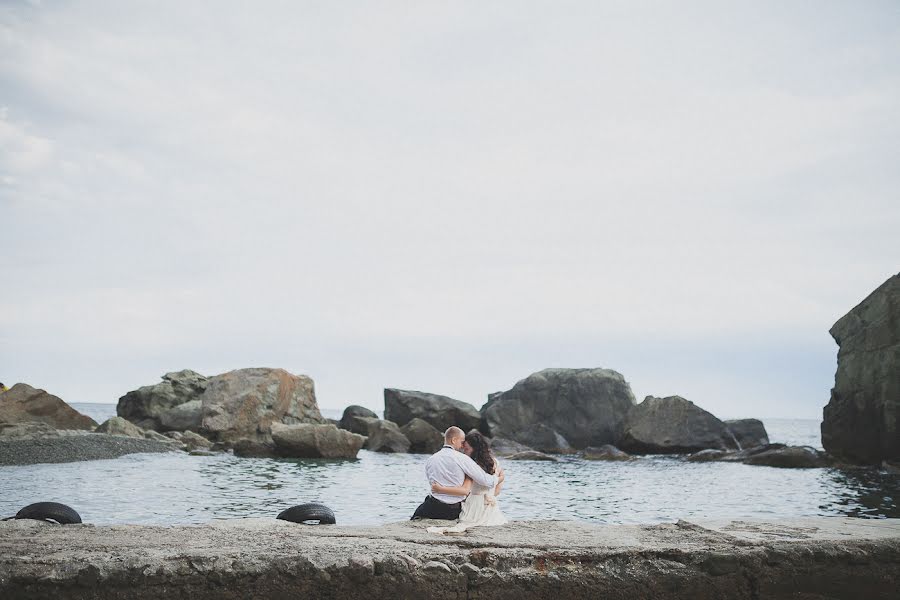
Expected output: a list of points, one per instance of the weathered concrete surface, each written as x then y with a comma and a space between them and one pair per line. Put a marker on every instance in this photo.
255, 558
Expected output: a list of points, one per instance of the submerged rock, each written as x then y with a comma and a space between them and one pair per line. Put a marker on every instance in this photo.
862, 420
586, 407
423, 437
605, 452
315, 441
23, 403
748, 432
144, 406
673, 425
505, 447
531, 455
790, 457
402, 406
254, 449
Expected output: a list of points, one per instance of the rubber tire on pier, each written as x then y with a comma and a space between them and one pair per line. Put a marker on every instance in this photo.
303, 513
50, 511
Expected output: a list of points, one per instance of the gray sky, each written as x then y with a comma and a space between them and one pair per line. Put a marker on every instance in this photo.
445, 196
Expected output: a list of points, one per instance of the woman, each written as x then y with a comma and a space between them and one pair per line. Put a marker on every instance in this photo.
480, 507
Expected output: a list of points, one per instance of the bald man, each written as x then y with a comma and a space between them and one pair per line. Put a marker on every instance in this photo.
449, 467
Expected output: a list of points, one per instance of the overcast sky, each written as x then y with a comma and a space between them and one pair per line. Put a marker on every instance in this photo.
446, 196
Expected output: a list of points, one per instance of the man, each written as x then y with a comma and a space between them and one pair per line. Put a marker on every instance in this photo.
448, 466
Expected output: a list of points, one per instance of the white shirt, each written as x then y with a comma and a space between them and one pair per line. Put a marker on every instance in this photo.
449, 467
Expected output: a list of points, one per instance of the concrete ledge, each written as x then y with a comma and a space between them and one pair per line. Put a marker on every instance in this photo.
801, 558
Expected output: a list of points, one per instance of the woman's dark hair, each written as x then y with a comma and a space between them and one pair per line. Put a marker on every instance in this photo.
481, 451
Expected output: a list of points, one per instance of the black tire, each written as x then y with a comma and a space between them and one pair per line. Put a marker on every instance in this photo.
50, 511
304, 513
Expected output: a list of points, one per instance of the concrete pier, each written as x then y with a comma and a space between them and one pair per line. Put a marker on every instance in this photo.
806, 559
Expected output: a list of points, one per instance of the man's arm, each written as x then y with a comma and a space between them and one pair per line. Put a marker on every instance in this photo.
471, 468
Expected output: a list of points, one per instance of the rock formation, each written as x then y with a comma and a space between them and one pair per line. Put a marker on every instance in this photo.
309, 440
672, 425
423, 437
243, 404
586, 407
144, 406
402, 406
748, 433
862, 420
607, 452
384, 436
23, 403
349, 423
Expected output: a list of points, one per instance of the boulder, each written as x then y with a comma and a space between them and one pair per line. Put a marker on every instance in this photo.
184, 416
544, 439
605, 452
673, 425
862, 419
587, 407
244, 404
22, 403
144, 405
530, 455
347, 419
402, 406
310, 440
789, 457
119, 426
254, 449
423, 437
32, 430
384, 436
748, 433
194, 441
708, 455
505, 447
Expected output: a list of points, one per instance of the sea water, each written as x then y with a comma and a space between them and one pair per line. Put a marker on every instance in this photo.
379, 488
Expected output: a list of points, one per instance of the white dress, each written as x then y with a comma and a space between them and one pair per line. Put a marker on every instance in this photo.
478, 510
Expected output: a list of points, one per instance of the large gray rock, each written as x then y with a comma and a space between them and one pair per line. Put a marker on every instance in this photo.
309, 440
120, 426
23, 403
587, 407
505, 447
606, 452
748, 433
544, 439
530, 455
862, 420
402, 406
187, 415
348, 419
244, 404
144, 406
423, 437
673, 425
384, 436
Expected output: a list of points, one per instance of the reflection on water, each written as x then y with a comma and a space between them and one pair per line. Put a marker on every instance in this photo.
379, 488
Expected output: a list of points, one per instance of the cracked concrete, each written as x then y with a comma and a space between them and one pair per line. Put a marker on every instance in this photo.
808, 558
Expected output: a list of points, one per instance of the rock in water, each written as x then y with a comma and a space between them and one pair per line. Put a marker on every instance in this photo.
789, 457
23, 403
315, 441
423, 437
505, 447
673, 425
243, 404
144, 406
748, 432
862, 420
544, 439
402, 406
384, 436
606, 452
587, 407
530, 455
347, 419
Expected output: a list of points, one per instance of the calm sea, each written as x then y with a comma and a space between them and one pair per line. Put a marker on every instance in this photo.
379, 488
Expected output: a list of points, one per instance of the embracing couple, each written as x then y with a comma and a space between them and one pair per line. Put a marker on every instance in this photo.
465, 482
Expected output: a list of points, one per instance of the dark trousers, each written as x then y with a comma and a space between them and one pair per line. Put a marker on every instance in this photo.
432, 508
